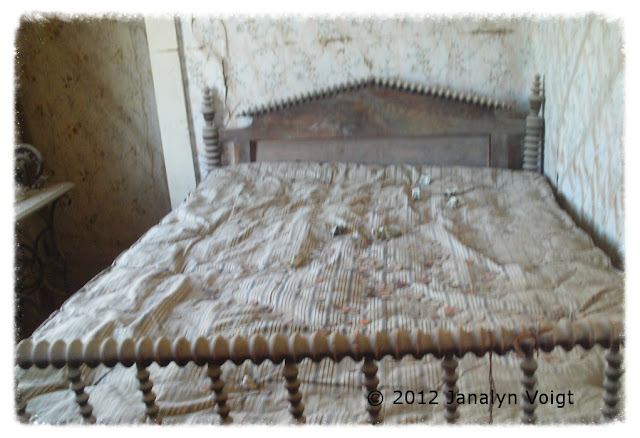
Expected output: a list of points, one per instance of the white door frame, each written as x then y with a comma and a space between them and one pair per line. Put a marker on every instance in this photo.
172, 107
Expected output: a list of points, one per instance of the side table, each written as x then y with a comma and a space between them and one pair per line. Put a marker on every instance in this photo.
37, 248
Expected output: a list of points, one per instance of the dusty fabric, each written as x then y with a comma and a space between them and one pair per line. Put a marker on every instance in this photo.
252, 251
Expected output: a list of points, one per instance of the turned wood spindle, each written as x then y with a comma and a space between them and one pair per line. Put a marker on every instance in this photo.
370, 384
21, 406
450, 377
214, 371
612, 372
82, 398
528, 365
533, 130
296, 407
148, 396
212, 148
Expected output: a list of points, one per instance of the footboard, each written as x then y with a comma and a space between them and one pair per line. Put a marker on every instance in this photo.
443, 344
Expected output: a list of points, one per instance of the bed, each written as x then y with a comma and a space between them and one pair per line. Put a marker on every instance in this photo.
374, 253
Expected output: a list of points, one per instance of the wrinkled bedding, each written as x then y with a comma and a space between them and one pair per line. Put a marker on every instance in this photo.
251, 250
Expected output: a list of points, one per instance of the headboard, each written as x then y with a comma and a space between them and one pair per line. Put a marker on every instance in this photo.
383, 122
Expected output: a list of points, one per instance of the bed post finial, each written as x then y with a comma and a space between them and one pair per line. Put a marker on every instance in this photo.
212, 149
533, 129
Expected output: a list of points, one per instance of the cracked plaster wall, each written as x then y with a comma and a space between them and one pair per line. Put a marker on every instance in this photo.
85, 98
251, 61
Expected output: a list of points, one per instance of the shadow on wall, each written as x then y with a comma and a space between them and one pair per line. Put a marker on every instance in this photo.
85, 98
610, 248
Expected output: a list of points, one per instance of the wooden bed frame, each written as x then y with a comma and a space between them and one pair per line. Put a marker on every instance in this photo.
368, 121
383, 122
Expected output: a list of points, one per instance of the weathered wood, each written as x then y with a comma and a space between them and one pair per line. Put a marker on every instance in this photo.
528, 365
316, 346
82, 398
392, 111
451, 150
319, 345
450, 388
21, 406
214, 371
212, 147
373, 403
292, 384
613, 373
534, 127
373, 82
148, 396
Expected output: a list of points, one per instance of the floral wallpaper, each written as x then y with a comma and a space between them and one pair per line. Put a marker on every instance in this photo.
583, 63
250, 61
253, 60
85, 98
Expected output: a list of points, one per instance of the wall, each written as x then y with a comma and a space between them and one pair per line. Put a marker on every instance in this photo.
85, 98
254, 61
583, 63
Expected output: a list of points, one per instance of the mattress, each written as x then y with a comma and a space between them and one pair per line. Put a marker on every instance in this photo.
301, 247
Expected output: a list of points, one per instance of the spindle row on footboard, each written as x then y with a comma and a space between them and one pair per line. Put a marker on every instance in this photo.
447, 345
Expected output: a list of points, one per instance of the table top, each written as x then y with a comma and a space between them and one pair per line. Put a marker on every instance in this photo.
35, 199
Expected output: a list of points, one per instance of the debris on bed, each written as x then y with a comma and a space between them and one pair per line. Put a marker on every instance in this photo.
488, 276
551, 359
297, 261
370, 292
415, 194
453, 202
248, 383
451, 191
424, 181
210, 293
385, 233
338, 230
358, 201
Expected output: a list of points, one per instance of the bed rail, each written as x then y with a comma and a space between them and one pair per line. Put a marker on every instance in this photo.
443, 344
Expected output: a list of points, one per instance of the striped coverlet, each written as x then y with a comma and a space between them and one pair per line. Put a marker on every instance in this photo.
254, 249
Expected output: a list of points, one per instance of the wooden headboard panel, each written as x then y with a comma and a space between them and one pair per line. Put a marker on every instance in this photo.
384, 122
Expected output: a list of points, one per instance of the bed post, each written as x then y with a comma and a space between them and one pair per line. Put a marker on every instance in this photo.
145, 384
212, 149
370, 384
533, 130
528, 365
292, 385
76, 383
216, 384
612, 372
21, 406
450, 378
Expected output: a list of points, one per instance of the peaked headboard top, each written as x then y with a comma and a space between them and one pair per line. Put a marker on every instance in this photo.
383, 121
394, 84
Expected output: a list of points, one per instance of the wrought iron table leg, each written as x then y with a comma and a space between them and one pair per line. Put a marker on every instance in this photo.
54, 252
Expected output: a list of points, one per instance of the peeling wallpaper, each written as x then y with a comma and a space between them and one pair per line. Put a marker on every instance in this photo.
85, 98
250, 61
